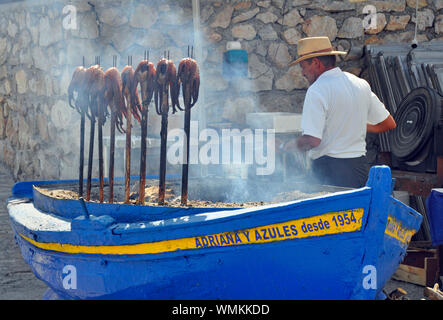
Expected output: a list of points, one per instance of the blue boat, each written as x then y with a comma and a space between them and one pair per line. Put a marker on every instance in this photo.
343, 245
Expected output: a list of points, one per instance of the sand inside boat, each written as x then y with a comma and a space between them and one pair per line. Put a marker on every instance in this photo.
172, 195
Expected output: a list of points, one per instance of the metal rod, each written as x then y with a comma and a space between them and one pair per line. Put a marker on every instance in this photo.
112, 145
185, 166
163, 143
144, 128
144, 132
90, 156
82, 146
111, 157
100, 147
85, 210
128, 140
128, 151
82, 153
100, 107
187, 128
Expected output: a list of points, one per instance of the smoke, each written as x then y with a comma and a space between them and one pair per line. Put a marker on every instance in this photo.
106, 29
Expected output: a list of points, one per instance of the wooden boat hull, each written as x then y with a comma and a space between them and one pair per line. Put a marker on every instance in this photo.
342, 246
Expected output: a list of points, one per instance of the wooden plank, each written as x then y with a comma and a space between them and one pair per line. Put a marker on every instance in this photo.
440, 170
420, 244
417, 258
410, 274
416, 183
440, 258
413, 272
432, 270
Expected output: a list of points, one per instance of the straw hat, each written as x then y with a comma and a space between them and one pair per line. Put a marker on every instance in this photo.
314, 47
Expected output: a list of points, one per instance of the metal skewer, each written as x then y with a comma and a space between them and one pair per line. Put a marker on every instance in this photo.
128, 143
187, 128
162, 108
188, 87
112, 146
164, 138
144, 133
82, 143
101, 120
91, 145
90, 156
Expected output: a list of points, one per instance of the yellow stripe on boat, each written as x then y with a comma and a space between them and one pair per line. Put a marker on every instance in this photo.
395, 229
320, 225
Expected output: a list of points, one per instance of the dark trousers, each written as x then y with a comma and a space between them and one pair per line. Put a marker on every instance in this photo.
348, 172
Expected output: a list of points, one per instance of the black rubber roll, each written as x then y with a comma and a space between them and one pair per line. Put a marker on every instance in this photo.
415, 118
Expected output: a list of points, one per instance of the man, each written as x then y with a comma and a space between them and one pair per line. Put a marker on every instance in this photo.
339, 109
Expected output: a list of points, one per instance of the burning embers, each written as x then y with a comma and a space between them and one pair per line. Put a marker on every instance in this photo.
96, 94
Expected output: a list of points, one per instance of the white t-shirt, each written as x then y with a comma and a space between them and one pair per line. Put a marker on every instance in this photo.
337, 107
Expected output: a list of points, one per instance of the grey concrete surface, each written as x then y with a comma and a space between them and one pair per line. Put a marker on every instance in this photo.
17, 282
414, 292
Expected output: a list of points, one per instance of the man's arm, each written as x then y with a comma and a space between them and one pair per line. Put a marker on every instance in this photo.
303, 143
387, 124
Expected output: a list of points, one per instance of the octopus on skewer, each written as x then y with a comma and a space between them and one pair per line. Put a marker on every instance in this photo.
95, 87
133, 106
189, 76
114, 97
166, 78
145, 76
95, 80
129, 91
78, 94
166, 83
77, 90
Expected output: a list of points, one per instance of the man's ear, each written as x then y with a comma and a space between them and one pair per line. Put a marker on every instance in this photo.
318, 64
315, 61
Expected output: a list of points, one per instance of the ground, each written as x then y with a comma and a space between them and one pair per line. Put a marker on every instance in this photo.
17, 282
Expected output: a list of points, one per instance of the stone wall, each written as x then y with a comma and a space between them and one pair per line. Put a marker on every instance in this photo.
38, 130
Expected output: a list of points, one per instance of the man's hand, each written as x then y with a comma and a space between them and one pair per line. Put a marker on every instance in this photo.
303, 143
